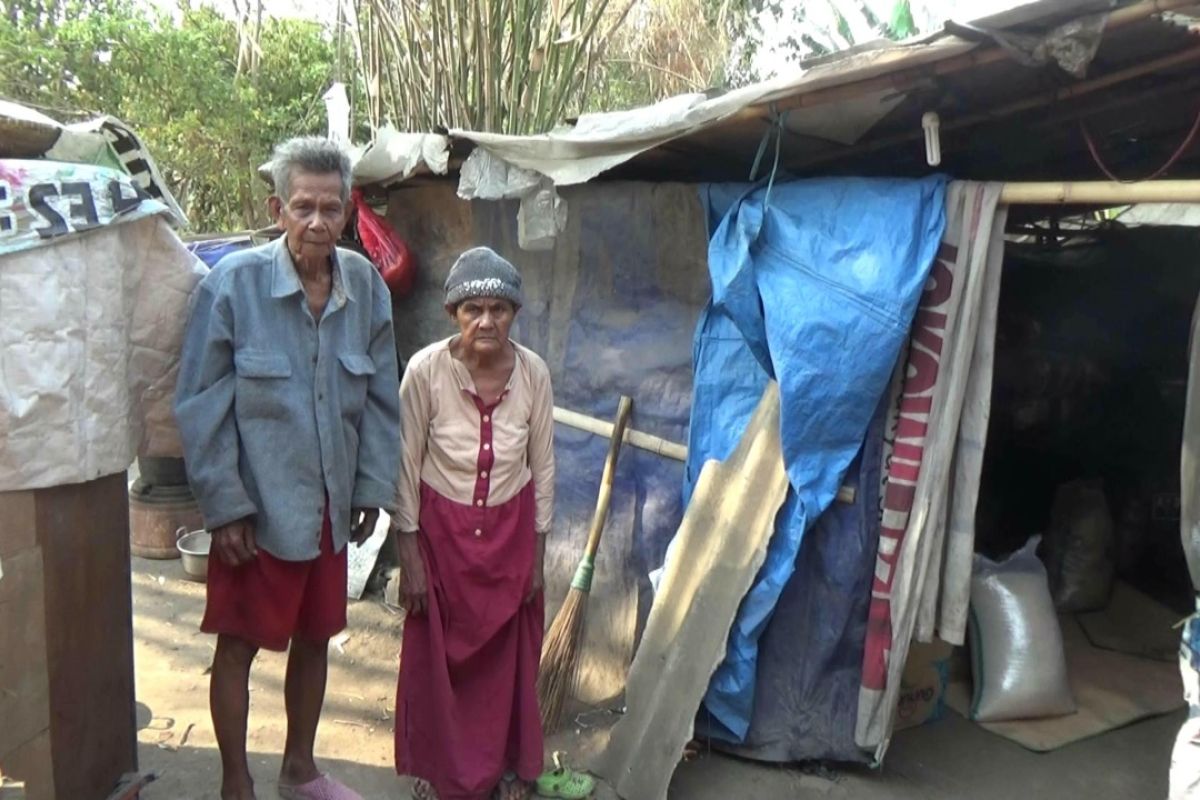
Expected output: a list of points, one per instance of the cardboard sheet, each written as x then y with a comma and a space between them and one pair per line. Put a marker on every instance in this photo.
722, 543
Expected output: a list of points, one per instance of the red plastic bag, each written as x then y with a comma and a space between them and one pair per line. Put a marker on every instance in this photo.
391, 256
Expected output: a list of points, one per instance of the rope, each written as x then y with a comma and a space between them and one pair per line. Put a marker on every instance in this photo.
1095, 151
777, 126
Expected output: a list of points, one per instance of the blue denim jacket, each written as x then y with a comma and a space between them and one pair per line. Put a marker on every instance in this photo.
275, 408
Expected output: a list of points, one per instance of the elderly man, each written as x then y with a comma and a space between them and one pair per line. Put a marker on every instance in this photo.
288, 403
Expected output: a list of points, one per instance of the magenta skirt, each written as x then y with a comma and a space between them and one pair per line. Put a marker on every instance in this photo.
466, 704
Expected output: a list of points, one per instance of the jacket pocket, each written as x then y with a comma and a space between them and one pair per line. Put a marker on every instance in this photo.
262, 386
261, 364
357, 364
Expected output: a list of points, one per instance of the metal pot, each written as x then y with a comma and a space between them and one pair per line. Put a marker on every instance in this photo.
193, 549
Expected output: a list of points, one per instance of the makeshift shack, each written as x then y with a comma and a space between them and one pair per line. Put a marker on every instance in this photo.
635, 279
93, 297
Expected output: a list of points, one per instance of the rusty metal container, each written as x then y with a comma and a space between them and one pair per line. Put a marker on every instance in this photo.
158, 510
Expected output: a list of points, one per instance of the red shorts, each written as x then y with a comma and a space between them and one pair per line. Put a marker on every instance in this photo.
268, 601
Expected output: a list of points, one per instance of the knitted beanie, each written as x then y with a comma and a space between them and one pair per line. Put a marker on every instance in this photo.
480, 272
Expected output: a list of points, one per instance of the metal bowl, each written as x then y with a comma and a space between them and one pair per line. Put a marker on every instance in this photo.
193, 550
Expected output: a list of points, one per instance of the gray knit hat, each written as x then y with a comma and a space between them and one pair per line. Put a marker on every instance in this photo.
480, 272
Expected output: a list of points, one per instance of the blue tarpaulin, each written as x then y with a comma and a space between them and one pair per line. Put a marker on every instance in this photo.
816, 289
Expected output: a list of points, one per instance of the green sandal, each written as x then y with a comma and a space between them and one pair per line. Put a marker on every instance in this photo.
564, 783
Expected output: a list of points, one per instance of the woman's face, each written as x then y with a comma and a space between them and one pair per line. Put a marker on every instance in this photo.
483, 324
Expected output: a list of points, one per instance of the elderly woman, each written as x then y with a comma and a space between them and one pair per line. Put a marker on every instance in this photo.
475, 502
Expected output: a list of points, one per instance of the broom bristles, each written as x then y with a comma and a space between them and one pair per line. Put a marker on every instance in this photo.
560, 658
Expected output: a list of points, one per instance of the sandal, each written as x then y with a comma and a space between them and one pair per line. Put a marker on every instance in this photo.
564, 783
423, 790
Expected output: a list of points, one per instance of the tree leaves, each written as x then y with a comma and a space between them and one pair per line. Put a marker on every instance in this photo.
176, 82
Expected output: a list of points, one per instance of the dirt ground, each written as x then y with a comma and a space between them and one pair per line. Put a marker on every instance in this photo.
948, 760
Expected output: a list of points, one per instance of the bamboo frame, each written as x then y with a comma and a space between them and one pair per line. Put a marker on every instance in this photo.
1037, 101
1098, 193
644, 441
905, 80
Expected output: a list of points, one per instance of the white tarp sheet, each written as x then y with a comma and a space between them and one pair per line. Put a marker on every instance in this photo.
89, 350
933, 455
599, 142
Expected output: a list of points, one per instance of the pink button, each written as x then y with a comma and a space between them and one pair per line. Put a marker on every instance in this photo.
483, 474
478, 502
478, 532
487, 418
487, 447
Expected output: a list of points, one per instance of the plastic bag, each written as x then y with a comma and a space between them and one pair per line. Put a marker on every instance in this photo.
390, 254
1081, 547
1017, 659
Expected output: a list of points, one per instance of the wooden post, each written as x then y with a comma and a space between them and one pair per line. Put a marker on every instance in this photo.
66, 640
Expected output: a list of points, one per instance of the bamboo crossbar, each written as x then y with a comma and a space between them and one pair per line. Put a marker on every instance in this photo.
1098, 193
646, 441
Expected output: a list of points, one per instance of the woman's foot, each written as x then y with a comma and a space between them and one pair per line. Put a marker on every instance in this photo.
514, 789
423, 790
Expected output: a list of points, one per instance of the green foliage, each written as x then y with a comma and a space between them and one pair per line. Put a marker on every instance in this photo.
177, 82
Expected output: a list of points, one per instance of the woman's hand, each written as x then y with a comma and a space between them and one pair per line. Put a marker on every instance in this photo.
537, 577
414, 587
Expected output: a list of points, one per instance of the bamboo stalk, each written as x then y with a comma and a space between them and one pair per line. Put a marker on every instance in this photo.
644, 441
649, 442
1100, 192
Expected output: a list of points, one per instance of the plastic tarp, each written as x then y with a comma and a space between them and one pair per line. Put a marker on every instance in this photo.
817, 289
89, 352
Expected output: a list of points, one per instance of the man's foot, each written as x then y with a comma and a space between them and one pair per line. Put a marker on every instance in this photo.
238, 789
423, 790
297, 772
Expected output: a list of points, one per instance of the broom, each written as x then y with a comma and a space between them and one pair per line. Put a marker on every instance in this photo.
560, 653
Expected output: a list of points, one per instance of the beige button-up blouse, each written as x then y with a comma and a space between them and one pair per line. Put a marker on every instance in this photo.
468, 452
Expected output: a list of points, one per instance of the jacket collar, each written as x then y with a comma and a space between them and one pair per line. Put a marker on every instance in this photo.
286, 282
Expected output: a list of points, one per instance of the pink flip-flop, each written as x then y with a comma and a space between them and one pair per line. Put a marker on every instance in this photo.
323, 788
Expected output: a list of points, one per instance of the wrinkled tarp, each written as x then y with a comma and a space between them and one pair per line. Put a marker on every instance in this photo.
821, 286
810, 654
395, 156
45, 201
599, 142
213, 250
89, 352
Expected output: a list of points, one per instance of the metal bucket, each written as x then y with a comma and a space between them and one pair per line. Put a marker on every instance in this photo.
193, 549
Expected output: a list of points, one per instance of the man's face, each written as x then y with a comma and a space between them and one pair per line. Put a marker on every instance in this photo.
313, 216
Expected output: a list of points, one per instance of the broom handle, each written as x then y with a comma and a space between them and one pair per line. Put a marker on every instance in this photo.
624, 409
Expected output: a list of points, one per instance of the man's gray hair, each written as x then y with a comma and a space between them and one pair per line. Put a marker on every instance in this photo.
315, 155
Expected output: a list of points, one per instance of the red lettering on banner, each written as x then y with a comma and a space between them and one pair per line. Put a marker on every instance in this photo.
904, 463
926, 327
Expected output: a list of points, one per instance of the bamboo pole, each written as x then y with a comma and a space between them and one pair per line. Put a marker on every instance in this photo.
650, 442
1098, 193
905, 80
644, 441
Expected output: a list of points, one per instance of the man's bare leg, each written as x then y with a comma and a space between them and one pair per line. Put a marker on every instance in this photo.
304, 691
229, 701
